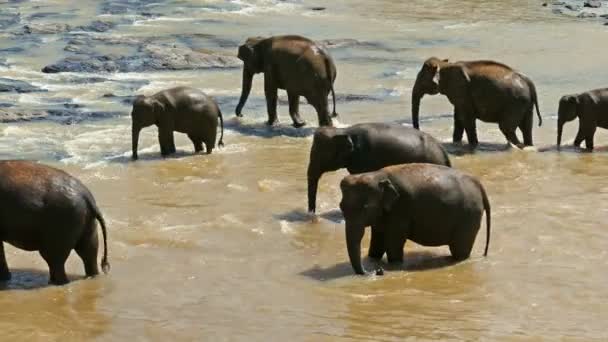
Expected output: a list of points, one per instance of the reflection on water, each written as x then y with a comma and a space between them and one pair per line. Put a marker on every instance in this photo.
221, 245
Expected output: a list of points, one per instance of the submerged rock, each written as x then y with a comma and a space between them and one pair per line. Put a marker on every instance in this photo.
9, 19
10, 85
593, 3
10, 115
46, 28
98, 26
586, 15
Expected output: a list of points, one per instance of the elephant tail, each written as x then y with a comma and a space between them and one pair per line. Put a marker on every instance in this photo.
487, 209
221, 142
534, 99
105, 265
331, 84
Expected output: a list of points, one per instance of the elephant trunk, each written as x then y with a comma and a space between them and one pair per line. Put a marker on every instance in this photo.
416, 96
560, 127
246, 89
354, 235
135, 140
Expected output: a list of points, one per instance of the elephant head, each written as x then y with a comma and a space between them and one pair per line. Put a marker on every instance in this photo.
331, 150
566, 112
425, 84
365, 198
145, 113
252, 55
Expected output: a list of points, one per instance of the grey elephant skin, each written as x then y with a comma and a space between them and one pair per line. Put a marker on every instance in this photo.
484, 90
368, 147
47, 210
432, 205
294, 63
180, 109
591, 108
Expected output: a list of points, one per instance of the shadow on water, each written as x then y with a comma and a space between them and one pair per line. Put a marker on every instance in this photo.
414, 261
303, 216
150, 156
31, 279
247, 126
483, 147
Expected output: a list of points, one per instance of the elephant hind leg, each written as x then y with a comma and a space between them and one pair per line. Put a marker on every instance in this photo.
197, 142
526, 128
5, 274
294, 109
319, 102
56, 259
464, 238
508, 130
87, 249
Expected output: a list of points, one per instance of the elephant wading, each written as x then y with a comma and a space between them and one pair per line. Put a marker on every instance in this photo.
293, 63
591, 107
432, 205
484, 90
181, 109
368, 147
47, 210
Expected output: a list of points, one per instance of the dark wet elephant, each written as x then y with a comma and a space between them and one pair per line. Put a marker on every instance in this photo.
432, 205
484, 90
368, 147
47, 210
181, 109
293, 63
591, 107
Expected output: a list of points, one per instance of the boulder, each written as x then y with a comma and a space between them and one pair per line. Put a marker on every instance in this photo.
10, 85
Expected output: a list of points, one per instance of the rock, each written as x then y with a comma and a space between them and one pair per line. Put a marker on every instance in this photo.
124, 99
586, 15
558, 3
10, 115
82, 64
318, 8
163, 57
593, 3
10, 85
573, 7
46, 28
97, 26
545, 4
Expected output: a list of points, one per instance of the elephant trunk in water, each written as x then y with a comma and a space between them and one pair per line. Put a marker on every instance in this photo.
247, 80
134, 140
354, 235
560, 127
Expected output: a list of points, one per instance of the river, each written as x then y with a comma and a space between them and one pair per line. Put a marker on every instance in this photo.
220, 247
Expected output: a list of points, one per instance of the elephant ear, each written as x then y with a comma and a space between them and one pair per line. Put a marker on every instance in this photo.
344, 146
389, 194
251, 55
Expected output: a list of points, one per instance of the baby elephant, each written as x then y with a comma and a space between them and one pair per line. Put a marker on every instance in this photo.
368, 147
47, 210
182, 109
432, 205
591, 107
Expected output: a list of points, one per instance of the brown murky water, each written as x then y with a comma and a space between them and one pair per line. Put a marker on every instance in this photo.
220, 247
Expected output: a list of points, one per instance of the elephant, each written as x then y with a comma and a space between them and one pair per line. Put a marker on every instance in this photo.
591, 107
368, 147
47, 210
294, 63
181, 109
432, 205
484, 90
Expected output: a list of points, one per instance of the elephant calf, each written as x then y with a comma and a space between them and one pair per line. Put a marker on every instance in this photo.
432, 205
182, 109
47, 210
368, 147
591, 107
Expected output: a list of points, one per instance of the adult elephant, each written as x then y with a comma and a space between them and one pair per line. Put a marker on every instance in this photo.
484, 90
293, 63
47, 210
368, 147
181, 109
591, 107
432, 205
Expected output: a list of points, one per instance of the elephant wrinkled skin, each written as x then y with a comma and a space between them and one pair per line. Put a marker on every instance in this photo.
484, 90
432, 205
47, 210
293, 63
368, 147
180, 109
591, 107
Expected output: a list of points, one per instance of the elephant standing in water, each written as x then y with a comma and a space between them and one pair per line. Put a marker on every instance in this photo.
484, 90
181, 109
368, 147
47, 210
591, 107
293, 63
432, 205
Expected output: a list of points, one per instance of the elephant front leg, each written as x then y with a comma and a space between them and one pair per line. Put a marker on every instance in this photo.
589, 138
394, 239
270, 91
294, 106
376, 245
579, 137
458, 128
471, 129
5, 274
165, 140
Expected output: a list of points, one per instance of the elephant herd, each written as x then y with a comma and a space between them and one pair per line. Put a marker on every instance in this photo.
401, 181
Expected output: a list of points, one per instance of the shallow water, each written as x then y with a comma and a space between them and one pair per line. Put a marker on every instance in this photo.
220, 247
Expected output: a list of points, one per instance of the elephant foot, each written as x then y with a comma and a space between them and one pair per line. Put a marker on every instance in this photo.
299, 123
272, 122
334, 115
5, 276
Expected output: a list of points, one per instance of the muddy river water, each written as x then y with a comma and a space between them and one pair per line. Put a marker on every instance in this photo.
220, 247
